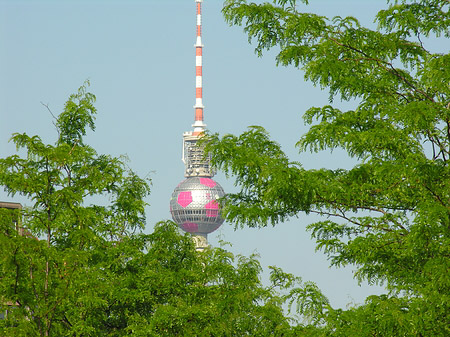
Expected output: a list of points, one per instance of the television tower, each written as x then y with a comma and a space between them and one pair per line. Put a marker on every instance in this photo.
193, 204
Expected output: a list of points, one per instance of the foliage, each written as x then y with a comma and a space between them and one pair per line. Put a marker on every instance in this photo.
389, 214
170, 289
53, 276
88, 270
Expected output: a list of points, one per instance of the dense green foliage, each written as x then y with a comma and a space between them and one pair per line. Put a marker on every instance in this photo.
88, 270
389, 214
56, 281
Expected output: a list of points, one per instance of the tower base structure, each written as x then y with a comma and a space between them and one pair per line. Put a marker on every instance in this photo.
200, 241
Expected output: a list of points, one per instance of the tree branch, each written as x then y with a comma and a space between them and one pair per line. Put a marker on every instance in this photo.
384, 65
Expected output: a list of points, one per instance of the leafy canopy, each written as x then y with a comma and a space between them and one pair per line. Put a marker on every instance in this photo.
389, 214
85, 269
52, 274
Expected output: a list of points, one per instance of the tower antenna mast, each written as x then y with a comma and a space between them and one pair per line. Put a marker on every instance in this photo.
199, 125
193, 157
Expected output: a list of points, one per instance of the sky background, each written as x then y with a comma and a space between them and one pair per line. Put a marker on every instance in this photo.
139, 57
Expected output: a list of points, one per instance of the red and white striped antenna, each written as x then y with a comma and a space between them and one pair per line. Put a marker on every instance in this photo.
195, 162
199, 125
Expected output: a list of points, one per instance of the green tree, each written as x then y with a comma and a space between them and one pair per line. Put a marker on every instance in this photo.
389, 214
52, 275
170, 289
88, 270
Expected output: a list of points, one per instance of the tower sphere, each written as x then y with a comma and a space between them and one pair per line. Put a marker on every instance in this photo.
194, 205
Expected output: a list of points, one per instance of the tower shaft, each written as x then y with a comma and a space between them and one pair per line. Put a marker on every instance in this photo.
199, 125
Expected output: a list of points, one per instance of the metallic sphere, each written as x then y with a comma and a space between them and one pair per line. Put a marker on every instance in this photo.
194, 207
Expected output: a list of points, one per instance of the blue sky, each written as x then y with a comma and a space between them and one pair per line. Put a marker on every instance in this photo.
139, 58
